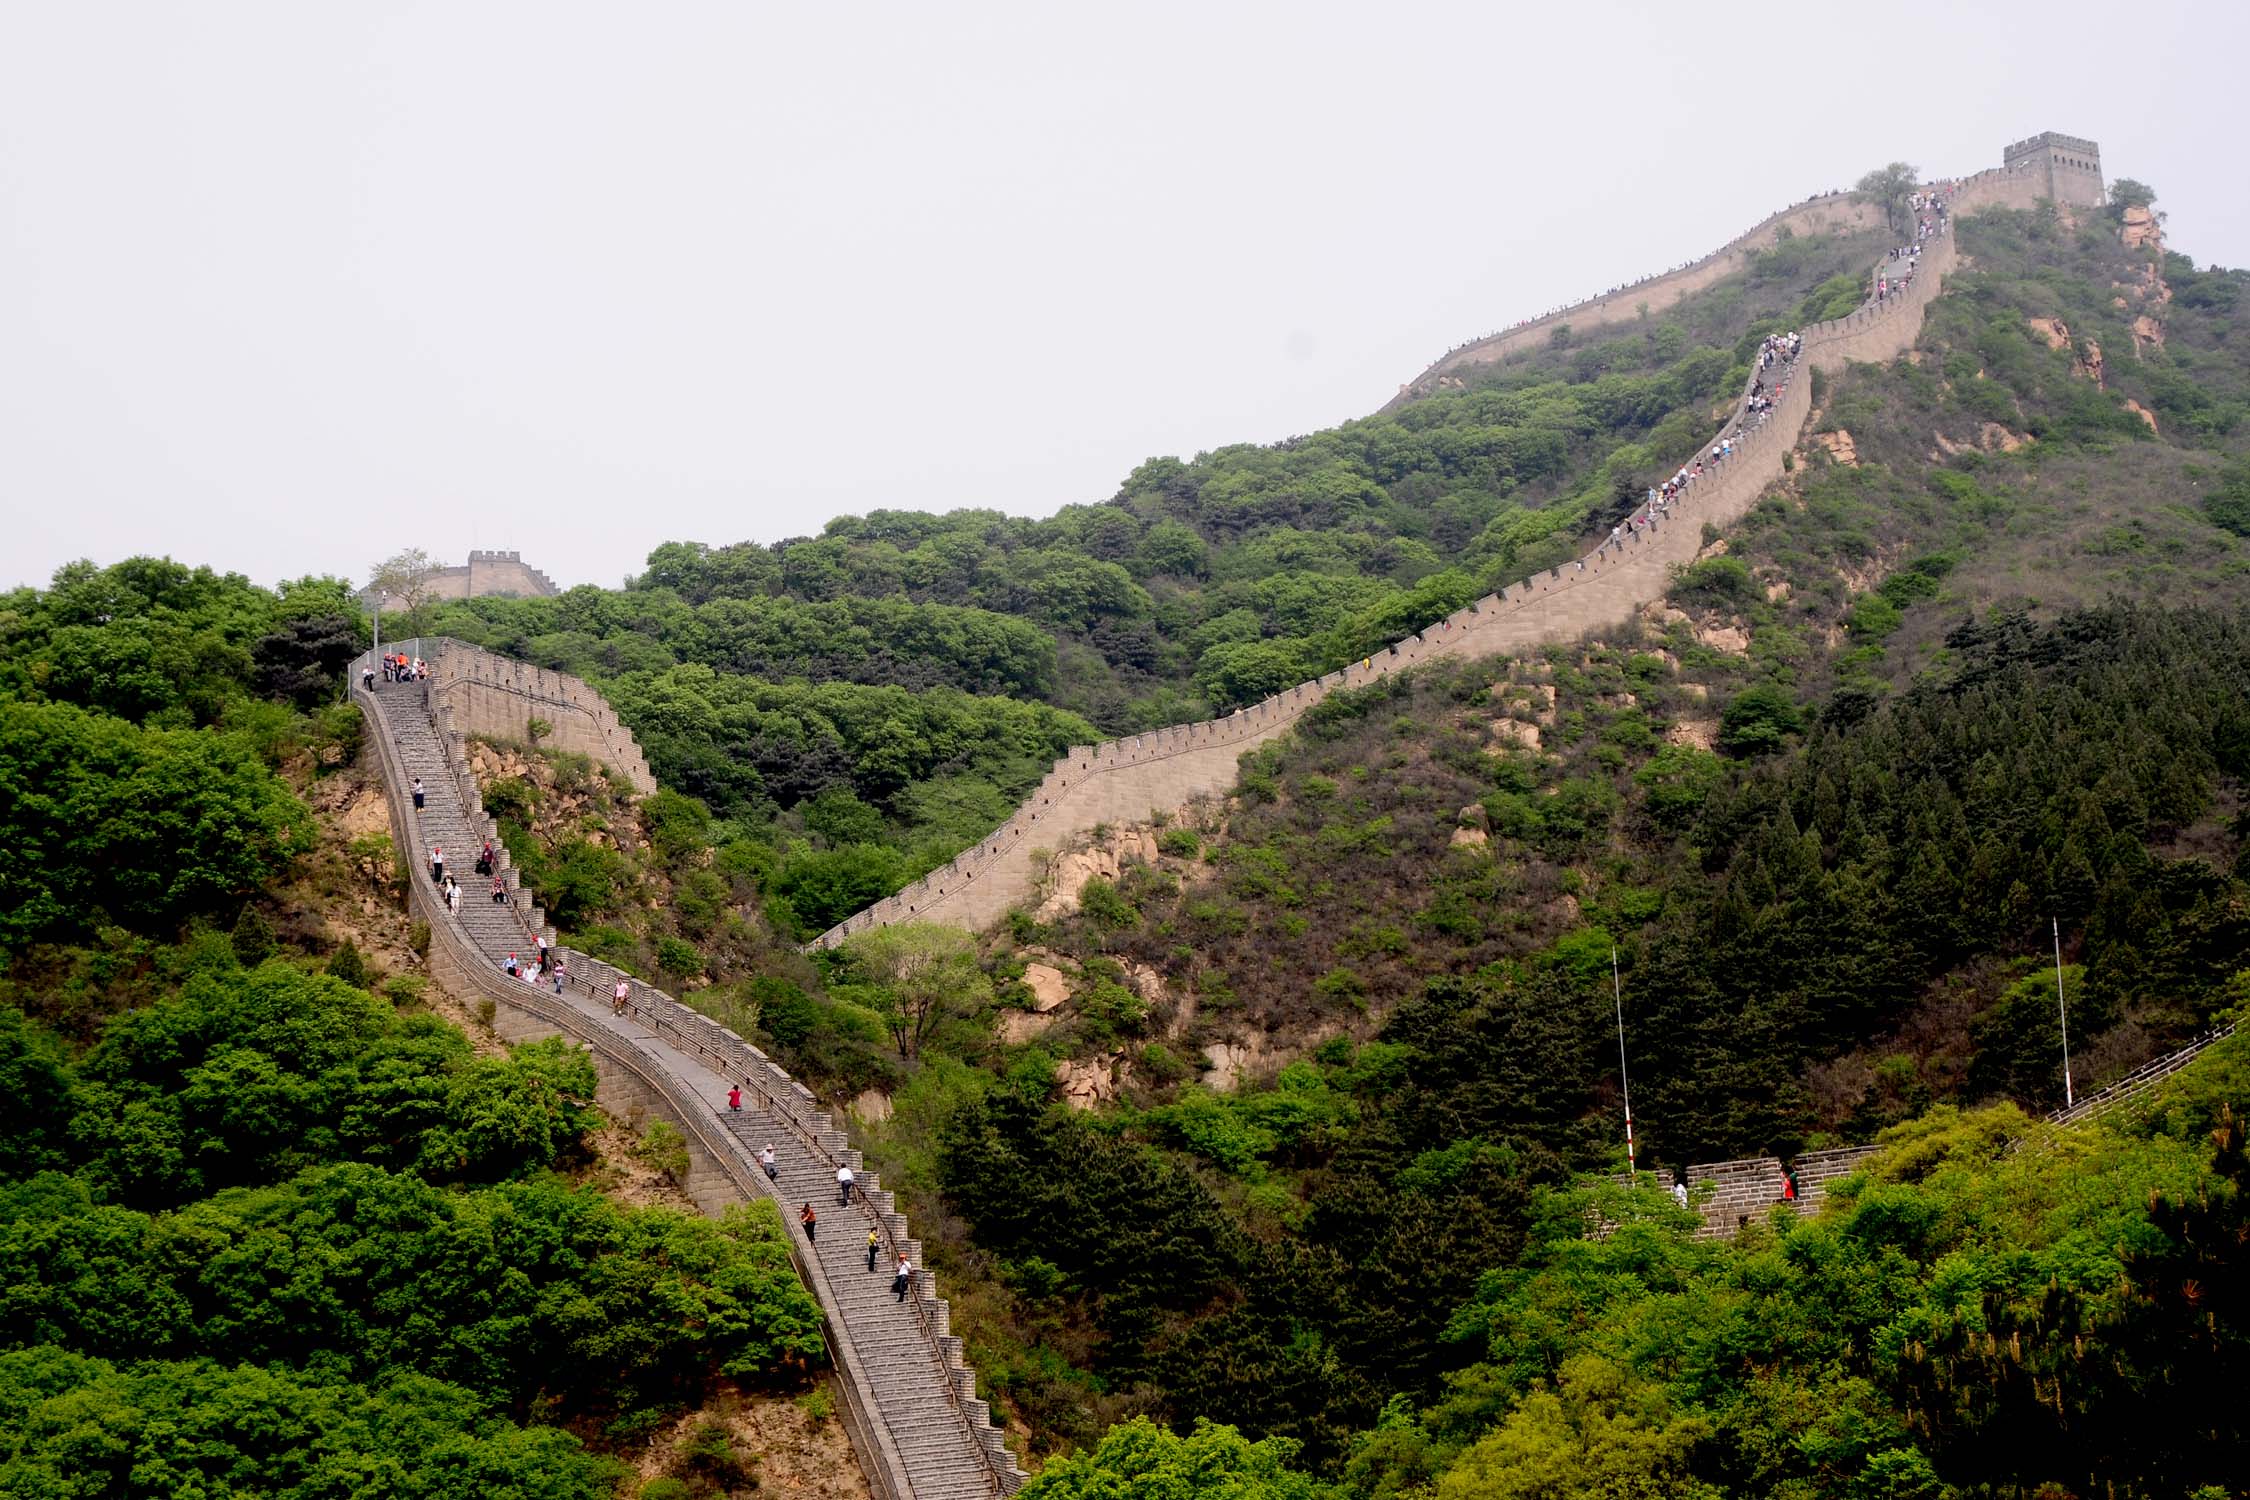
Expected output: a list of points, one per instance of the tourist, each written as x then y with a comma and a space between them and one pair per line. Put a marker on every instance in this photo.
510, 966
874, 1241
810, 1220
765, 1159
499, 890
904, 1278
734, 1098
367, 679
1679, 1191
437, 865
418, 804
619, 996
558, 972
844, 1186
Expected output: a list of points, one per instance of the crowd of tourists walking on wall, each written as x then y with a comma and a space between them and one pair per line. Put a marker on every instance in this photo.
1775, 350
1929, 221
546, 964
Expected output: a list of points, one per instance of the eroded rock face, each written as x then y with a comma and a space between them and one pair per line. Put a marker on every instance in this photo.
872, 1106
1515, 731
1840, 447
1071, 869
2054, 330
2142, 412
1048, 987
1020, 1026
1090, 1082
2140, 228
1729, 638
2091, 365
1470, 838
2147, 333
1696, 734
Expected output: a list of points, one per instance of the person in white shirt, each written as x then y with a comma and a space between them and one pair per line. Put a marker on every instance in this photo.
904, 1278
765, 1159
844, 1186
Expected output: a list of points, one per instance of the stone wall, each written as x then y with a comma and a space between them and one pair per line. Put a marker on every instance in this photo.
1126, 779
486, 575
496, 697
1830, 213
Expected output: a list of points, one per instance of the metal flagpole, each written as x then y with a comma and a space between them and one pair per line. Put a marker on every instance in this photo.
1617, 994
2063, 1011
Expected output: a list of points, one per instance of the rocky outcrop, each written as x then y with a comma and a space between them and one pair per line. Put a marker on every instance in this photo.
1840, 447
2141, 227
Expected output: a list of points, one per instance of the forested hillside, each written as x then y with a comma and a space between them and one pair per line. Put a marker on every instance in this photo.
268, 1225
1830, 805
1271, 1154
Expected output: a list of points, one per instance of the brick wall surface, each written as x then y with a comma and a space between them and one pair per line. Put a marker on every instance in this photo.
496, 698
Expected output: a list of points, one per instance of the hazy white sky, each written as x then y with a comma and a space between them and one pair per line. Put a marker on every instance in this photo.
286, 286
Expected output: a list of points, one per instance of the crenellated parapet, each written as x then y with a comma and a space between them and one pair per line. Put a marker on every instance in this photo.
482, 695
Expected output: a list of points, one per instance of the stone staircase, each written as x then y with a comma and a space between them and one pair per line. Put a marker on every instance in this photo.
910, 1403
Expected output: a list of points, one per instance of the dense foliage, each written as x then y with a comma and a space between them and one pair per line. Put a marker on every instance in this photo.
264, 1232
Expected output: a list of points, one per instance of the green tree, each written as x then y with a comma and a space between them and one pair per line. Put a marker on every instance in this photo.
1889, 187
2128, 192
407, 577
926, 974
1141, 1460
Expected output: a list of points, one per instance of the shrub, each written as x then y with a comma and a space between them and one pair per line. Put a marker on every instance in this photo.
252, 938
677, 956
1718, 583
347, 965
2228, 506
663, 1149
1758, 720
1180, 843
1104, 905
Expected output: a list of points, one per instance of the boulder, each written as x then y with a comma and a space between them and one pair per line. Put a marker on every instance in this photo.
1048, 987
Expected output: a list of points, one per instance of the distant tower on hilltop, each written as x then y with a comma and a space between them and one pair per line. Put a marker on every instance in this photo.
2069, 168
487, 575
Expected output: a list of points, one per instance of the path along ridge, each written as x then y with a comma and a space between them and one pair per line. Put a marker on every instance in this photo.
1125, 780
909, 1403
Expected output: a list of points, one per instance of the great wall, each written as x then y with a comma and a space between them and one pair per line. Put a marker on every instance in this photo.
1126, 780
907, 1399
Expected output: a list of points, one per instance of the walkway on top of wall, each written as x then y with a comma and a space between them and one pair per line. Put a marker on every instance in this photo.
910, 1403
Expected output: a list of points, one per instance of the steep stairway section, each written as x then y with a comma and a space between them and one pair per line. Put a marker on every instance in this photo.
1125, 780
909, 1401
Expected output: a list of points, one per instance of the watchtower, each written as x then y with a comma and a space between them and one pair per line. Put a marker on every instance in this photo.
2068, 169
